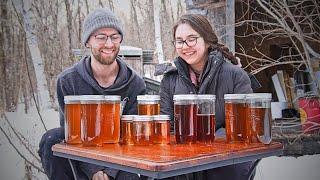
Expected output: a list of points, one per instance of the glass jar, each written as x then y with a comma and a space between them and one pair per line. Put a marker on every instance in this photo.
161, 129
148, 104
91, 120
110, 127
185, 118
72, 119
235, 113
127, 129
258, 114
142, 130
205, 118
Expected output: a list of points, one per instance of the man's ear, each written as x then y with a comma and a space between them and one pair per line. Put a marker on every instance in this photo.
87, 45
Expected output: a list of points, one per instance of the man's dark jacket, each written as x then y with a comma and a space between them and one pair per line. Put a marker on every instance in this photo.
79, 80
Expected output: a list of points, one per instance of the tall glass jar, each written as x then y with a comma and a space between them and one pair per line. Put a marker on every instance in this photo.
161, 129
142, 130
205, 118
235, 113
127, 129
91, 120
72, 119
258, 114
110, 130
148, 104
185, 118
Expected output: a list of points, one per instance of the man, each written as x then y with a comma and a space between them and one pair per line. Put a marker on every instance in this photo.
103, 72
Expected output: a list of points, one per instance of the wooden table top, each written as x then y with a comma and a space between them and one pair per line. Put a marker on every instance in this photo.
167, 157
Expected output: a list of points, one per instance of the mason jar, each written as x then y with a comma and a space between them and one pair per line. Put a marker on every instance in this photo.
185, 118
72, 119
148, 104
235, 117
142, 130
258, 114
161, 129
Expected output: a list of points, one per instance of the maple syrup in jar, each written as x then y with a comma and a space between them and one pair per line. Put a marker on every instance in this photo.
142, 130
91, 120
205, 118
258, 116
110, 126
235, 117
185, 118
127, 129
161, 129
72, 119
148, 104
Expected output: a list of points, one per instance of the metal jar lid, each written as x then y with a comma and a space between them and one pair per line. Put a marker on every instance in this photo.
161, 117
267, 96
92, 99
145, 118
72, 99
235, 96
127, 117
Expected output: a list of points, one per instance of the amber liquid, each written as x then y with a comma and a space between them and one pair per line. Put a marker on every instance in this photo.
91, 124
235, 114
126, 132
72, 123
206, 128
149, 109
110, 129
142, 132
185, 117
256, 129
161, 132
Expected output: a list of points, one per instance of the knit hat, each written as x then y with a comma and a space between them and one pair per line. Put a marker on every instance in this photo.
100, 18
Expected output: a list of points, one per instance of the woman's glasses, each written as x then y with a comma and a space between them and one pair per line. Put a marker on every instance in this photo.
190, 42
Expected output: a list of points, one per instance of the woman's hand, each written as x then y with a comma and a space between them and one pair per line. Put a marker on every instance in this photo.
100, 175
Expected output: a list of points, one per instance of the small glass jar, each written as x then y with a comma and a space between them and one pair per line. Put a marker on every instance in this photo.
235, 113
91, 120
161, 129
142, 130
185, 118
148, 104
258, 114
72, 119
127, 129
110, 126
206, 118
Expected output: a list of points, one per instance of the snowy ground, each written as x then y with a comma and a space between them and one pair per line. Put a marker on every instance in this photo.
12, 166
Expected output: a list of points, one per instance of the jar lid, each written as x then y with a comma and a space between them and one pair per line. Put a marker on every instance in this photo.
184, 97
112, 98
206, 96
235, 96
161, 117
85, 99
71, 99
127, 117
142, 118
259, 96
148, 98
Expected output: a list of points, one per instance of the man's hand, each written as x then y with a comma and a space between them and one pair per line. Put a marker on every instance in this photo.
100, 175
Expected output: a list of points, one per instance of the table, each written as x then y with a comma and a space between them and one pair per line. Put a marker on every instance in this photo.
161, 161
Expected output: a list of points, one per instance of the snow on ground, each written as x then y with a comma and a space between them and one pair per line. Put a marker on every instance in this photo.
12, 166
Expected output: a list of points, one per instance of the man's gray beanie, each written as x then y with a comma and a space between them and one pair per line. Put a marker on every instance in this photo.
99, 18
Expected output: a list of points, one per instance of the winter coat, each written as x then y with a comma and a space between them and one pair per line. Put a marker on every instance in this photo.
219, 77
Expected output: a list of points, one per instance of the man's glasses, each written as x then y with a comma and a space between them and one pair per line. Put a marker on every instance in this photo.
102, 39
190, 42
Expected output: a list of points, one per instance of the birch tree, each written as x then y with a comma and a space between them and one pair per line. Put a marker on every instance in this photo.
42, 91
157, 31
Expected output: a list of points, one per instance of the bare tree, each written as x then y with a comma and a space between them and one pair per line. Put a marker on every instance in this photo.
157, 30
291, 21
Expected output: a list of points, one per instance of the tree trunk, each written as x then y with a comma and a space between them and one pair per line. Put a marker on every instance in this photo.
42, 90
69, 25
157, 31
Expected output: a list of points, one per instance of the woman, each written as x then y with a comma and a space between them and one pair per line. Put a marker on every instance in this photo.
202, 67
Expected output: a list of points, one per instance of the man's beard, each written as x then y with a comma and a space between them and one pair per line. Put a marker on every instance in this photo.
104, 60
